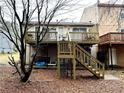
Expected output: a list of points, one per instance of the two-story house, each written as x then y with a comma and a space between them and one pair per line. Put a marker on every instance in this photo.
110, 20
66, 42
82, 33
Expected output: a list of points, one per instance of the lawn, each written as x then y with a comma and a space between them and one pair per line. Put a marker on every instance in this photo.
4, 57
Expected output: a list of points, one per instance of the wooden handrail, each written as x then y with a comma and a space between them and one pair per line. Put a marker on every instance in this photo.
93, 62
35, 32
112, 33
88, 54
99, 65
85, 32
80, 37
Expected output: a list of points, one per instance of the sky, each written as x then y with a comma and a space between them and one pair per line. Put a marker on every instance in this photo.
76, 14
77, 11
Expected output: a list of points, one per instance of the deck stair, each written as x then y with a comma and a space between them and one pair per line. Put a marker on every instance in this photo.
89, 62
75, 52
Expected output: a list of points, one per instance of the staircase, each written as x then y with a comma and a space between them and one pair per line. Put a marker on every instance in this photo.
73, 51
89, 62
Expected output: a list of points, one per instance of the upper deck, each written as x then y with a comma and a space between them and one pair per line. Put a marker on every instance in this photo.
85, 33
53, 37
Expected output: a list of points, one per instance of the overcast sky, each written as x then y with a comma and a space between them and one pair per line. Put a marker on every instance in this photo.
77, 13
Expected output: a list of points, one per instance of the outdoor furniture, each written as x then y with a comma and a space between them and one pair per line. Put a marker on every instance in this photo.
42, 62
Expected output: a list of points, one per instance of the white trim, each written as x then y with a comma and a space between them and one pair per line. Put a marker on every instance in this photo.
114, 57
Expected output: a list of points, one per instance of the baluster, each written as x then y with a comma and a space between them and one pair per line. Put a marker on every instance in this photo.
60, 47
84, 57
77, 54
89, 63
63, 47
97, 65
102, 68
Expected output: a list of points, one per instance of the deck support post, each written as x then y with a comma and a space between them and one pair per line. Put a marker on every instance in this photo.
111, 56
74, 68
58, 68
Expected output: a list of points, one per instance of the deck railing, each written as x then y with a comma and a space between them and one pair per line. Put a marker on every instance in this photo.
112, 37
50, 36
66, 49
88, 60
80, 37
85, 37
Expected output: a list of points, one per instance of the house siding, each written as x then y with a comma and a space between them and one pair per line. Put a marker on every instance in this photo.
107, 18
120, 55
89, 14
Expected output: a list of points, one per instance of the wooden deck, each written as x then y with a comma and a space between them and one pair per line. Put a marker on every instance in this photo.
112, 38
52, 37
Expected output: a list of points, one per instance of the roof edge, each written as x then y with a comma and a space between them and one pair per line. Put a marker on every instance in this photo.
63, 23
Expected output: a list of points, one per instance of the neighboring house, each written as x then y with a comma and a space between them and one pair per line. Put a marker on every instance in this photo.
5, 45
58, 44
110, 21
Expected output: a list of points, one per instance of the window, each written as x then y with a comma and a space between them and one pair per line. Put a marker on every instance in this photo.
122, 30
36, 29
61, 31
122, 13
52, 29
52, 35
79, 29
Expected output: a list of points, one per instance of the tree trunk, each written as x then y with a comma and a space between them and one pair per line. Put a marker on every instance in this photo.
25, 77
25, 71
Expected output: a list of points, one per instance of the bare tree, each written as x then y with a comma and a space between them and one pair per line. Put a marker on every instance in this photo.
20, 14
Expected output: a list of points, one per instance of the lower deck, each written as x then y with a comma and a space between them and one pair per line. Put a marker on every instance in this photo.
48, 52
66, 55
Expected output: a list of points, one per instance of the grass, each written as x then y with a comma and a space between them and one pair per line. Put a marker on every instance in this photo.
4, 57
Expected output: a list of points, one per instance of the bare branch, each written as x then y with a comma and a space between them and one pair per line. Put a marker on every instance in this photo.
12, 61
17, 28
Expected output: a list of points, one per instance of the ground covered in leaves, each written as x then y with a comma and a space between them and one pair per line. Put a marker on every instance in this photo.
46, 81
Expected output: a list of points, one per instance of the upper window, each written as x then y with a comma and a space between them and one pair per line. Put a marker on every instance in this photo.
41, 28
122, 13
79, 29
52, 29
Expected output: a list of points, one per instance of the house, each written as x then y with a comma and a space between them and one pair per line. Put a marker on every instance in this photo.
83, 33
6, 45
66, 42
110, 20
